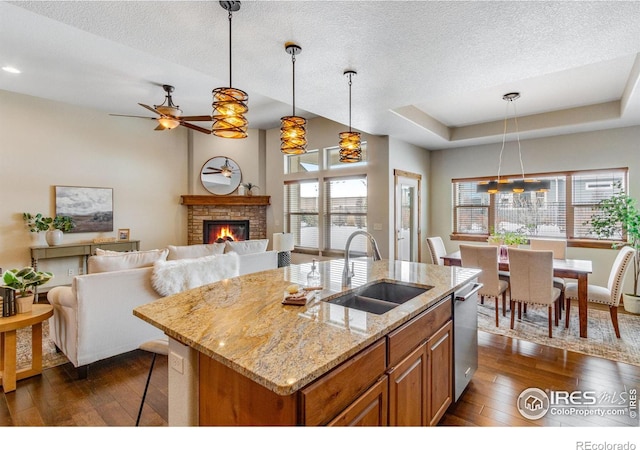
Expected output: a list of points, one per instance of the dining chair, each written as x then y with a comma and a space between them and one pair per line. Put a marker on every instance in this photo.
559, 249
485, 257
532, 282
436, 249
609, 295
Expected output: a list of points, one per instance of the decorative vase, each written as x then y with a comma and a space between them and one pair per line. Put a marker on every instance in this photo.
631, 303
24, 304
54, 237
241, 190
248, 192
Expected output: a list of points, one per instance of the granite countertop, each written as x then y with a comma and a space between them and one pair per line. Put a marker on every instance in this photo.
242, 323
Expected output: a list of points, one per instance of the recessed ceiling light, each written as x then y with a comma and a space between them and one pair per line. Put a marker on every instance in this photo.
11, 69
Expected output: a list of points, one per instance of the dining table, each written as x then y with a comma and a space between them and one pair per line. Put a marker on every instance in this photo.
578, 269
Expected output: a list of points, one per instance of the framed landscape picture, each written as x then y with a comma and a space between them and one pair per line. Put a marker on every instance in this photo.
91, 208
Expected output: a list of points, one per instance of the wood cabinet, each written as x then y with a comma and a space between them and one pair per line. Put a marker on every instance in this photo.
404, 378
421, 385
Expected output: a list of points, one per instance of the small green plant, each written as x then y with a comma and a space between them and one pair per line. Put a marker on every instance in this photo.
24, 280
618, 216
249, 186
38, 222
507, 237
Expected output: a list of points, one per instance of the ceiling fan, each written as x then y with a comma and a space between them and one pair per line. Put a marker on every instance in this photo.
226, 169
170, 115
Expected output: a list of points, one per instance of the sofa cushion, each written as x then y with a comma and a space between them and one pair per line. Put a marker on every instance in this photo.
194, 251
245, 247
101, 252
172, 277
125, 260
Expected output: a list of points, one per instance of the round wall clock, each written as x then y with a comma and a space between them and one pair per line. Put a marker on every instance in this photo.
220, 175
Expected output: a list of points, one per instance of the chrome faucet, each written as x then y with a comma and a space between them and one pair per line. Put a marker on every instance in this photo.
347, 273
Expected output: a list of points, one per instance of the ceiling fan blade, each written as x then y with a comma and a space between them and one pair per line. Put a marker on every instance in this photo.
214, 168
149, 108
197, 118
137, 117
196, 127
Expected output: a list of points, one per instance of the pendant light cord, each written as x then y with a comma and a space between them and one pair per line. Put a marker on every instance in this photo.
350, 103
230, 85
504, 137
293, 62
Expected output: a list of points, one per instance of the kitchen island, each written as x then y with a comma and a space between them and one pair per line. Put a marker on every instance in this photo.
239, 356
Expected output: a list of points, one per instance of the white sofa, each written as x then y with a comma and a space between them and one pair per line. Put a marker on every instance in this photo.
93, 318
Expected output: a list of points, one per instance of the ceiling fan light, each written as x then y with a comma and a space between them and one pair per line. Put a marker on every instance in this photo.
293, 135
350, 147
168, 123
229, 107
169, 111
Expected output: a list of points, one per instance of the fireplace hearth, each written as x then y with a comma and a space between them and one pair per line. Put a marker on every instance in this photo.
224, 230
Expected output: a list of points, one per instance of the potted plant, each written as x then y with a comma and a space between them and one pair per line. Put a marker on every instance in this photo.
619, 216
249, 188
54, 226
23, 282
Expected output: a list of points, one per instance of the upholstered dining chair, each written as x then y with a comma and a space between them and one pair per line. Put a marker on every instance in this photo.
436, 249
532, 282
559, 249
609, 295
485, 257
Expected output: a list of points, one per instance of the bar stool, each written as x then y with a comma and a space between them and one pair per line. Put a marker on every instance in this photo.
157, 347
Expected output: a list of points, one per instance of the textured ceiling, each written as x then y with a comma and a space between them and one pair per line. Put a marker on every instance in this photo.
430, 73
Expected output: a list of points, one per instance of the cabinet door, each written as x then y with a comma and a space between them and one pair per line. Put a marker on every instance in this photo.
408, 390
369, 410
440, 375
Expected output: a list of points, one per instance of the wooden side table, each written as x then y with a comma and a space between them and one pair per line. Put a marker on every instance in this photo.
8, 345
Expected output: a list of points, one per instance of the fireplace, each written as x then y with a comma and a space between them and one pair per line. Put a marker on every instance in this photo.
224, 230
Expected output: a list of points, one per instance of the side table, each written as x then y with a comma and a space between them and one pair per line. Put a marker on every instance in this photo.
8, 345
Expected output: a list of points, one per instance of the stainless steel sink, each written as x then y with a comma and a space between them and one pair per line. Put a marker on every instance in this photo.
378, 297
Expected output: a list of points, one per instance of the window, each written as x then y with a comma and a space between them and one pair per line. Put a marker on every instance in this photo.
345, 211
562, 212
325, 201
301, 212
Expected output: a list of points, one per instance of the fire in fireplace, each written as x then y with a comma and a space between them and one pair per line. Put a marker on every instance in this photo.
225, 230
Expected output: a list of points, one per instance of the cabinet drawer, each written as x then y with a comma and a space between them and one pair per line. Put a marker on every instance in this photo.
417, 330
326, 397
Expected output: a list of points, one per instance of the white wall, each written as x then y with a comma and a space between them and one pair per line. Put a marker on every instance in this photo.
593, 150
47, 143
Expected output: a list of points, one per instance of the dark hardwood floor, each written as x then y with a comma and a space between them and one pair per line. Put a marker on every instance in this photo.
111, 394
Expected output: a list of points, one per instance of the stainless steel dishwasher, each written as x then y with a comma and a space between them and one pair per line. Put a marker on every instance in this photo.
465, 335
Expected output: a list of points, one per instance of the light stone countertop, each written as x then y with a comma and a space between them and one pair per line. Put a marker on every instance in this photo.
242, 323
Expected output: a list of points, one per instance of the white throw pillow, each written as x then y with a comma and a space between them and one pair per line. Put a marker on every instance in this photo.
125, 260
194, 251
245, 247
172, 277
101, 252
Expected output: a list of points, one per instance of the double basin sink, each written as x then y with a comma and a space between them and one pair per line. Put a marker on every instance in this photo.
378, 297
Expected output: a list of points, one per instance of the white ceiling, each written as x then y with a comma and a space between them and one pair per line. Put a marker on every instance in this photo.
430, 73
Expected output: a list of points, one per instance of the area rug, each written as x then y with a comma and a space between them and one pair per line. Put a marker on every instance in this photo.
49, 356
601, 340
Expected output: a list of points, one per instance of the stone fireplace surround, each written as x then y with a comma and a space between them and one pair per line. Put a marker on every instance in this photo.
227, 207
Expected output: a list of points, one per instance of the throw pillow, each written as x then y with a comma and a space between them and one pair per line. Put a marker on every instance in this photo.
125, 260
172, 277
194, 251
245, 247
101, 252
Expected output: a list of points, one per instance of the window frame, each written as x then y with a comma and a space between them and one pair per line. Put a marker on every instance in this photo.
570, 207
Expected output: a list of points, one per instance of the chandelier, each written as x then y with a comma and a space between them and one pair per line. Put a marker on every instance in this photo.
350, 148
517, 186
229, 104
293, 135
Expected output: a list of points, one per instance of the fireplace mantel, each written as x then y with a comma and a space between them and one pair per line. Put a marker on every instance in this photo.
226, 200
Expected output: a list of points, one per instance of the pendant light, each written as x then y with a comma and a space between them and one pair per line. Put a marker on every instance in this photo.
505, 185
350, 147
293, 134
229, 104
